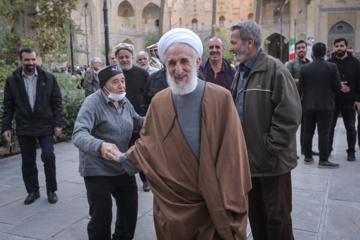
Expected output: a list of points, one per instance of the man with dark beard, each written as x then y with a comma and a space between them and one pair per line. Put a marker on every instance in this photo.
346, 100
294, 66
33, 96
269, 108
192, 151
216, 69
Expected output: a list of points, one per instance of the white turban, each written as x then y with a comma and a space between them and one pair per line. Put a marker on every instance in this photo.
179, 35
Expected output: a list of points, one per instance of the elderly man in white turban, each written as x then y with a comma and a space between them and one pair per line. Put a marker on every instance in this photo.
192, 151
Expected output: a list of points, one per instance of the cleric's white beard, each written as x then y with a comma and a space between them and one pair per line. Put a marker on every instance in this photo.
182, 88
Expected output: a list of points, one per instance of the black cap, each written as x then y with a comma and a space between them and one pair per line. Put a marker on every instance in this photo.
108, 72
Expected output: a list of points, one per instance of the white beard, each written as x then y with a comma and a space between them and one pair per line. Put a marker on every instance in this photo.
182, 88
241, 54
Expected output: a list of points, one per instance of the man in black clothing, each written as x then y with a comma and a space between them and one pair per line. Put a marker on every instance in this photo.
135, 79
346, 101
294, 66
33, 96
318, 83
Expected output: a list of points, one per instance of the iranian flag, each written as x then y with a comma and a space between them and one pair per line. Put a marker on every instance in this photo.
292, 49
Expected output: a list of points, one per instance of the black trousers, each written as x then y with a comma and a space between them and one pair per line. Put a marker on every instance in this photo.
99, 191
323, 119
348, 114
29, 168
270, 206
135, 137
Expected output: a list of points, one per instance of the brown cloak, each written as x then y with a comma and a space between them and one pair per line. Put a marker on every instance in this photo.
196, 200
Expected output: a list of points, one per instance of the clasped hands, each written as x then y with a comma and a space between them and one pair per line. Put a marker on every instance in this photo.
110, 151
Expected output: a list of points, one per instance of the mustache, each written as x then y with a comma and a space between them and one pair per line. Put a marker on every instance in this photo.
183, 74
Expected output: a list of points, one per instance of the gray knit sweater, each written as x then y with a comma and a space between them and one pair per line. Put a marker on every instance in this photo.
99, 121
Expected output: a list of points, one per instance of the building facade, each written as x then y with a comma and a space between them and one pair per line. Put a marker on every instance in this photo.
131, 21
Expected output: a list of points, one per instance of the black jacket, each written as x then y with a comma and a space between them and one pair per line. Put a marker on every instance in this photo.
318, 82
230, 71
47, 112
349, 70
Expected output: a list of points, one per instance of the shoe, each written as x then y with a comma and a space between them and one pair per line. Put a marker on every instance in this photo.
32, 197
351, 156
308, 160
315, 153
297, 157
146, 186
327, 164
52, 197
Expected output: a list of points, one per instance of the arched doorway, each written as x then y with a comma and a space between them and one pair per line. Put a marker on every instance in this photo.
273, 47
194, 25
221, 21
150, 16
341, 30
126, 15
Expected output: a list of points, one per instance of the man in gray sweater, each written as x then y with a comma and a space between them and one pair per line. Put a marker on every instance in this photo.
107, 120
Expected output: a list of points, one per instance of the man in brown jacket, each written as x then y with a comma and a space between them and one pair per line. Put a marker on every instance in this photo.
192, 151
269, 108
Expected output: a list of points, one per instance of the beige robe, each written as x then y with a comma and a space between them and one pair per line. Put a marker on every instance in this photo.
195, 200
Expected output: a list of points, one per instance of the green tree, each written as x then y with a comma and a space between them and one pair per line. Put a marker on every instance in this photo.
42, 25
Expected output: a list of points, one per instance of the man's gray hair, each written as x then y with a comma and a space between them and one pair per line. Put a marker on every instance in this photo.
248, 29
220, 39
94, 60
142, 53
110, 54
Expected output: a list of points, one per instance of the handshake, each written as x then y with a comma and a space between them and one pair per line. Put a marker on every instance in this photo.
110, 151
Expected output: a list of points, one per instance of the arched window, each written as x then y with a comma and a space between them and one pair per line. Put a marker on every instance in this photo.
221, 21
194, 23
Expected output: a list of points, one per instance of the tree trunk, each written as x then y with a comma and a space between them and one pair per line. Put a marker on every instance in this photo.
161, 20
24, 20
213, 22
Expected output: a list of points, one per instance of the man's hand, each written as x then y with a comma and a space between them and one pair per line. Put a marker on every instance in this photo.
296, 80
57, 131
114, 154
344, 88
357, 104
7, 135
107, 148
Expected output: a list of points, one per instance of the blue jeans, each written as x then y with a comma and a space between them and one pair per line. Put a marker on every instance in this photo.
29, 168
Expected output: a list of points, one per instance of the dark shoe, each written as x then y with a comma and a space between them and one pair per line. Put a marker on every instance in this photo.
297, 157
315, 153
308, 160
32, 197
327, 164
146, 187
351, 156
52, 197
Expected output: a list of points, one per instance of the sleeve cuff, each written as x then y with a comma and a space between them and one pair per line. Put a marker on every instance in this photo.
127, 165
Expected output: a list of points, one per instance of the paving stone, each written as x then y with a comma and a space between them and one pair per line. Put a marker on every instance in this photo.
345, 186
145, 229
303, 235
4, 226
17, 211
343, 221
75, 232
309, 181
47, 224
307, 209
4, 236
9, 194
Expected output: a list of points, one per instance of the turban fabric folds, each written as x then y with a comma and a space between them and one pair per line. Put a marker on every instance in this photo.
179, 35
